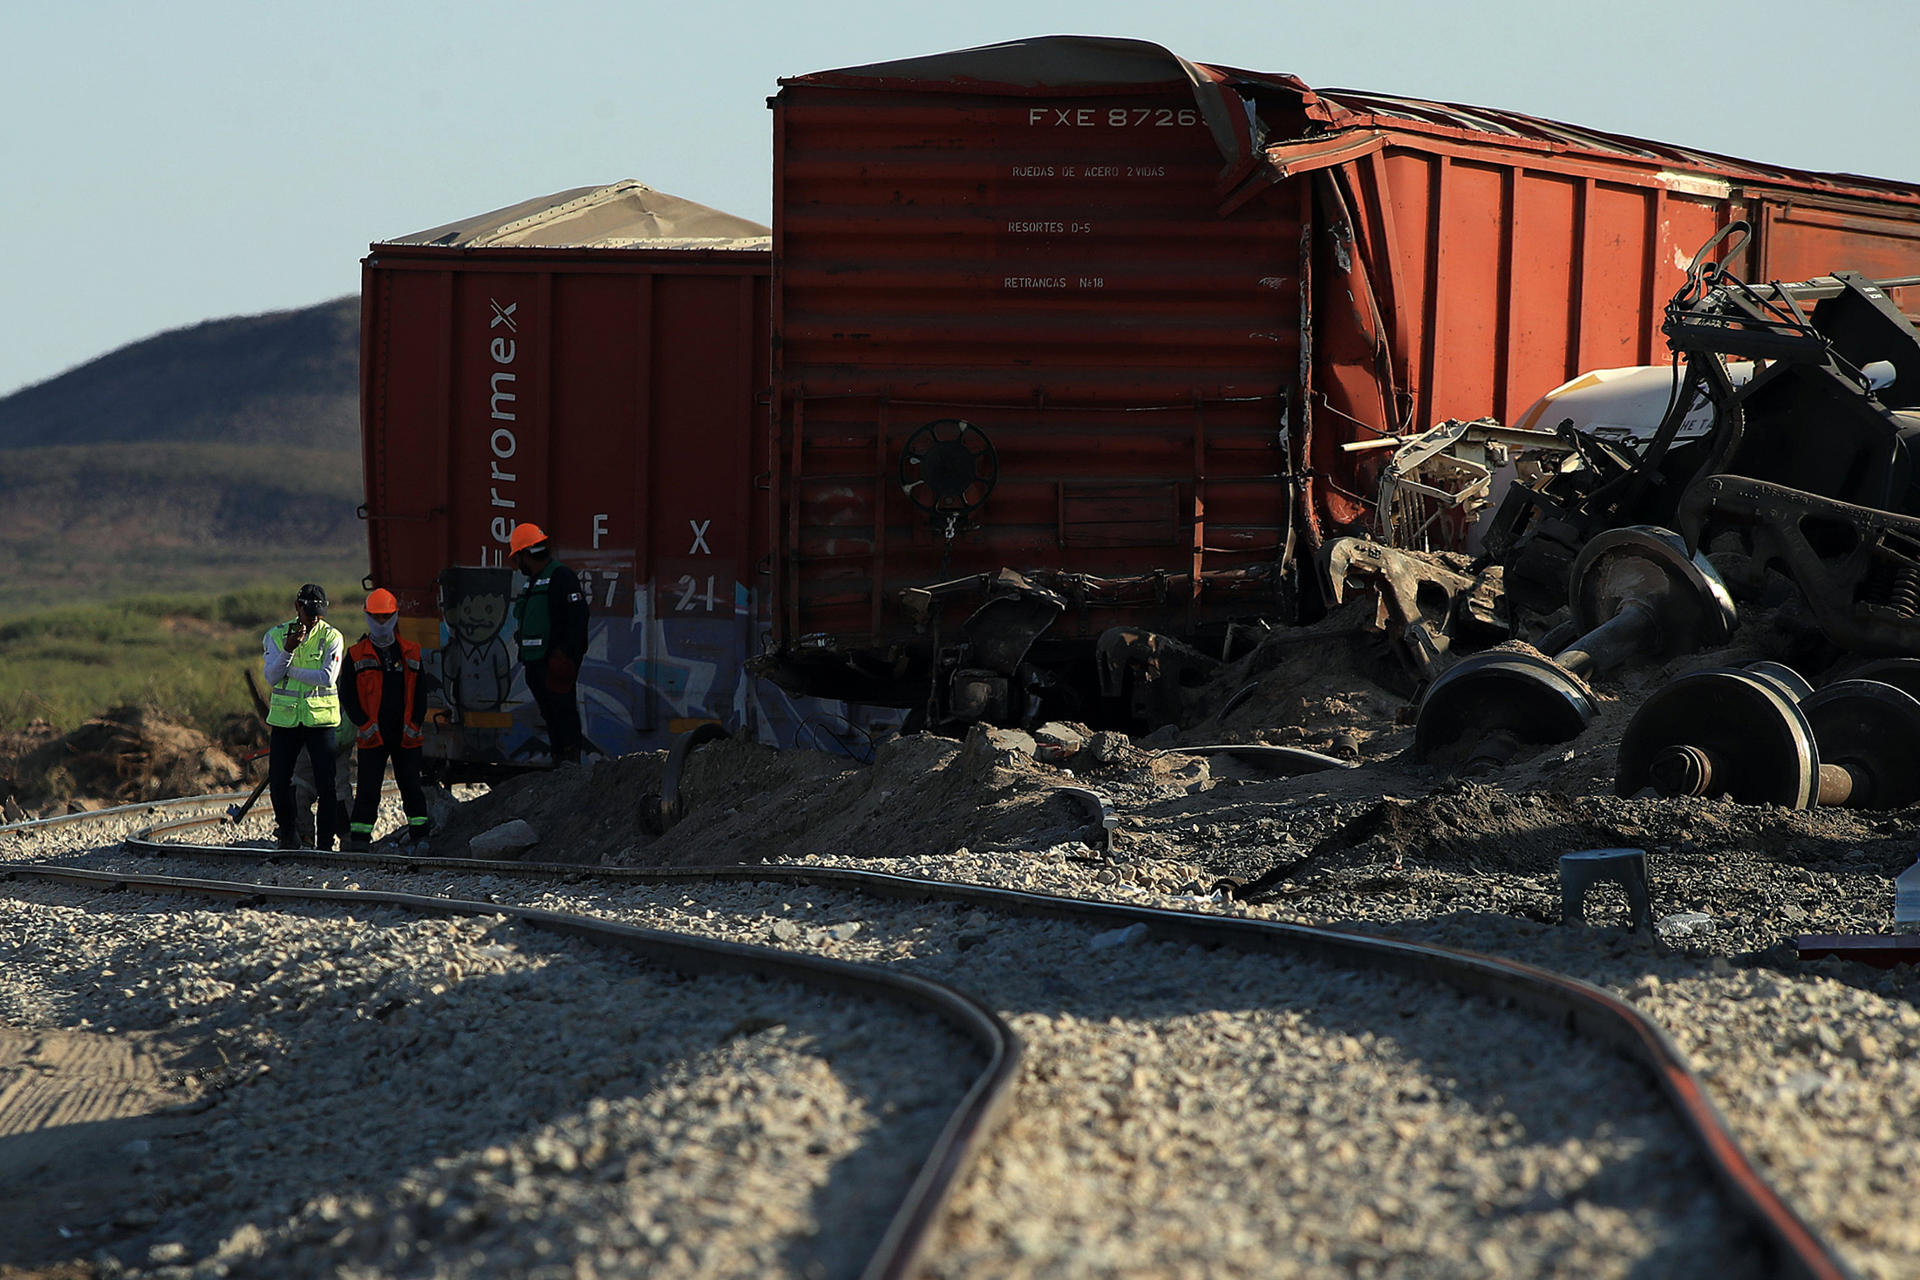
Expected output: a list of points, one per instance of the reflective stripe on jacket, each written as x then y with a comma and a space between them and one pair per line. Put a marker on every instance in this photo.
551, 615
292, 701
370, 686
533, 615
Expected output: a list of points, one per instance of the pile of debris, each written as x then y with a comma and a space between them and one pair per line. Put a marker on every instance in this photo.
1670, 608
923, 795
129, 754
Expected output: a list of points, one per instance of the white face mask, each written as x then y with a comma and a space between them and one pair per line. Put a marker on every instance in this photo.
383, 629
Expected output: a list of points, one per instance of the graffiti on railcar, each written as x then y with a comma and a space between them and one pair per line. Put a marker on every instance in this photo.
661, 657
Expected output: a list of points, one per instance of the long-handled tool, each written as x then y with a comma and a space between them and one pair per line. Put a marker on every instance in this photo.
235, 812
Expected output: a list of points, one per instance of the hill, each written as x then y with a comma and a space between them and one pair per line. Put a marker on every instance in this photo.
217, 456
287, 377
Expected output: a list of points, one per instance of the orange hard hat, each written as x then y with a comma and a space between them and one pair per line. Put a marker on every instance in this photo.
381, 600
525, 535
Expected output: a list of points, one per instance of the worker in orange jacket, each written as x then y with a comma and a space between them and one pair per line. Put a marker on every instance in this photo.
383, 690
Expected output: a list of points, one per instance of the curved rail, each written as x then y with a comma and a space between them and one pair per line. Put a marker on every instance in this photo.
151, 806
910, 1230
1585, 1009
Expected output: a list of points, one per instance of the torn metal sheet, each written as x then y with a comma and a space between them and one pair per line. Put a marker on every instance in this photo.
1436, 485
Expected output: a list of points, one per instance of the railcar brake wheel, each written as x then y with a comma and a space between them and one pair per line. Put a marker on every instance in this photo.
1902, 673
948, 467
1784, 677
1651, 565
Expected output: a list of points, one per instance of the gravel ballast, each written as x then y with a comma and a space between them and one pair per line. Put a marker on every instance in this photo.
392, 1095
1189, 1111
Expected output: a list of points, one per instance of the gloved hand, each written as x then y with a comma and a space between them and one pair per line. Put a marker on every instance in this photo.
562, 673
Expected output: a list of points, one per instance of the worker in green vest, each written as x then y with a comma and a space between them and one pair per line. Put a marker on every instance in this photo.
303, 710
552, 622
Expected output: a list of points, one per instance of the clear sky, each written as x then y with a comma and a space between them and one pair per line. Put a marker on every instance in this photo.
166, 163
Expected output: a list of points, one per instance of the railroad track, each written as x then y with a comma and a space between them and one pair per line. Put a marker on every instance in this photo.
1219, 946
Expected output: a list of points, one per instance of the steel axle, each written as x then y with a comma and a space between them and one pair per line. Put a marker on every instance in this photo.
1634, 592
1762, 737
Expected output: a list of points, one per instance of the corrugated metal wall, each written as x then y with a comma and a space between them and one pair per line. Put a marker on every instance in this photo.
1053, 269
1502, 271
614, 398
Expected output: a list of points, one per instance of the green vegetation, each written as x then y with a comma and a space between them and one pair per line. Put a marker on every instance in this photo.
88, 523
138, 488
186, 656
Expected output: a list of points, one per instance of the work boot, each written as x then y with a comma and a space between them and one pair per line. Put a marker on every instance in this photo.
356, 842
286, 840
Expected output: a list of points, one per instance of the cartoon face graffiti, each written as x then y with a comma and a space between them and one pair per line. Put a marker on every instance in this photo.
477, 618
477, 667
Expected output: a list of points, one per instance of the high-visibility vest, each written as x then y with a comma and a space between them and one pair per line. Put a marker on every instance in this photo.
370, 682
293, 702
533, 615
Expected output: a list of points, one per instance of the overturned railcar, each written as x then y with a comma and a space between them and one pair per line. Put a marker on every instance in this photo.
593, 361
1073, 338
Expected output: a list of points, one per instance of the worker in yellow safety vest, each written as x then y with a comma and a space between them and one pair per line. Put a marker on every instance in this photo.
301, 666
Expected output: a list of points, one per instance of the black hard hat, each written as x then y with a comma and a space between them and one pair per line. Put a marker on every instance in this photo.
313, 596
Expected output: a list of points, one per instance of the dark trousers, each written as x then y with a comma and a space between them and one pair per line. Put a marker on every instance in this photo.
406, 772
284, 746
560, 710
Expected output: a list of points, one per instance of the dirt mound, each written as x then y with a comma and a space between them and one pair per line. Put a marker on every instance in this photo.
126, 755
1333, 687
922, 796
1471, 827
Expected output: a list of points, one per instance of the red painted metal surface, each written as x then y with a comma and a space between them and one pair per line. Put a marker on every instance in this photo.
1169, 293
1054, 268
1882, 951
615, 398
1507, 254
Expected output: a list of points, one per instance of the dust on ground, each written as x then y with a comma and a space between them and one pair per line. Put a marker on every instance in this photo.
923, 795
83, 1104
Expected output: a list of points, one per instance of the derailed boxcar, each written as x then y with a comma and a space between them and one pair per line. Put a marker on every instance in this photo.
1071, 335
595, 362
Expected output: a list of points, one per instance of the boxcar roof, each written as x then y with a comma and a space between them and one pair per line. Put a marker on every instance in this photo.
1291, 112
622, 215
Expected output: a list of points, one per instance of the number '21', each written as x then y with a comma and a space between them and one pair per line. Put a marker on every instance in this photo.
690, 595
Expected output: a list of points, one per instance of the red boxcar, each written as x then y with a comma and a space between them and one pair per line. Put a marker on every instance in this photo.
596, 362
1160, 296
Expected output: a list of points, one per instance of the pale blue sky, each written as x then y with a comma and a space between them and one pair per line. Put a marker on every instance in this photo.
166, 163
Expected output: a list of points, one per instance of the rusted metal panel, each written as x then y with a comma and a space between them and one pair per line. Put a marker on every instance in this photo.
1488, 130
614, 397
1800, 238
1159, 285
1502, 273
1051, 264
